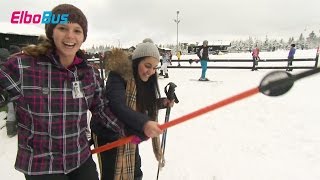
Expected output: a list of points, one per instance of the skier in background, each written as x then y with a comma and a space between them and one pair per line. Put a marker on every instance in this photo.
255, 57
203, 54
179, 56
166, 61
291, 56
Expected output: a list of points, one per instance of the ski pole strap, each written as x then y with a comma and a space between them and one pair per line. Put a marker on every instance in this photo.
169, 89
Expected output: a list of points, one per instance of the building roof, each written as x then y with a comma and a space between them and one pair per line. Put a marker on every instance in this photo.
220, 43
21, 29
166, 49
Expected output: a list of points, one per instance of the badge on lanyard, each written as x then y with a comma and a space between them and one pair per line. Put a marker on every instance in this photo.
76, 90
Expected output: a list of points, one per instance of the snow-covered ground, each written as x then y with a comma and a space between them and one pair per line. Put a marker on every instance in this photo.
258, 138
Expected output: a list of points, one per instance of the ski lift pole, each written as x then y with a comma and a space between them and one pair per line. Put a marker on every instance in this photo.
169, 90
273, 84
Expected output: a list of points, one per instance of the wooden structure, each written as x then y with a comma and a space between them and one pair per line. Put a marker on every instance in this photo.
7, 39
214, 47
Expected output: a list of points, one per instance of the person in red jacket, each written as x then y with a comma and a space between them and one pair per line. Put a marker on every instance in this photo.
255, 57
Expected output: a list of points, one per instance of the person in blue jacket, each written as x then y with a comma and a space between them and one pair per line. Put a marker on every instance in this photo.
291, 56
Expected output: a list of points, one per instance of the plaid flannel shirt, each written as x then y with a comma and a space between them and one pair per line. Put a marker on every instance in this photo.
51, 123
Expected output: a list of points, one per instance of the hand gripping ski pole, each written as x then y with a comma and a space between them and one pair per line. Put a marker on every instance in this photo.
273, 84
169, 90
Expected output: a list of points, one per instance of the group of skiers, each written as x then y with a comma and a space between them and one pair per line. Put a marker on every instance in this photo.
256, 57
203, 55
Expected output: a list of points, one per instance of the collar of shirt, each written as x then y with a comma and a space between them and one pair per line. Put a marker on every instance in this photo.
76, 61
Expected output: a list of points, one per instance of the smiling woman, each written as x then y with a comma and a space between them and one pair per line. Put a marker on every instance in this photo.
54, 88
133, 91
67, 38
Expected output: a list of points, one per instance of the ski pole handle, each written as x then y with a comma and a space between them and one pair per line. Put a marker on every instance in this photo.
169, 89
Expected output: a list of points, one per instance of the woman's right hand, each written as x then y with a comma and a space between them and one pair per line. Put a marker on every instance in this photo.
151, 129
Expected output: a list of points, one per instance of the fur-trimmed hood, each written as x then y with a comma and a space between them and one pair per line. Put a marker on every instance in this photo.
119, 61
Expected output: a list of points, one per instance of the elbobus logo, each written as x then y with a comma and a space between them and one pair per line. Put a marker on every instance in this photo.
24, 17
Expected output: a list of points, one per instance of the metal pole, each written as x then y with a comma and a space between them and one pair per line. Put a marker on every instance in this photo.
177, 21
177, 30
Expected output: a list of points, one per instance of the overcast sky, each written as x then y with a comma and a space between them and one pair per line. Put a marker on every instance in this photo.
128, 22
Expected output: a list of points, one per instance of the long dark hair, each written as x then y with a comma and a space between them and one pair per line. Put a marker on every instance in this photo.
147, 92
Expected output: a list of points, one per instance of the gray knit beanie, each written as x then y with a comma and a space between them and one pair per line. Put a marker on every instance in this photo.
147, 40
145, 49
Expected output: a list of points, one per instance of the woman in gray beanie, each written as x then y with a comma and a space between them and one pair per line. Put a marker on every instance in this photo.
133, 91
54, 87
